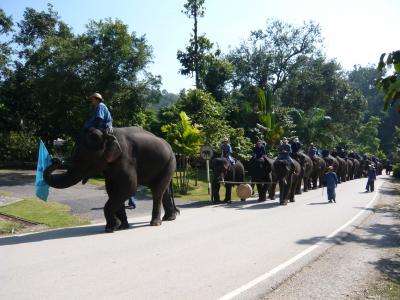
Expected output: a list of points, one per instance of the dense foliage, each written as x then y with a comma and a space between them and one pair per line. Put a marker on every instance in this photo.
278, 78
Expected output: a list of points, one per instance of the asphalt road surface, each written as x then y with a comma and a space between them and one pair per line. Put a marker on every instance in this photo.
236, 251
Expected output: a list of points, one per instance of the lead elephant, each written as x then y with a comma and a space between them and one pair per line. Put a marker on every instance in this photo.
288, 176
129, 157
223, 170
262, 170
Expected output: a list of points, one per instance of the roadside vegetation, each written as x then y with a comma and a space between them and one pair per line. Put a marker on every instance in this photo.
51, 214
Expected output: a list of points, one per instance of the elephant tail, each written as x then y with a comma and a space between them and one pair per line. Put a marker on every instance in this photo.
171, 195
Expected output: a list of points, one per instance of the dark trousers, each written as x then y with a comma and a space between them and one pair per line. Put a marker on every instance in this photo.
370, 185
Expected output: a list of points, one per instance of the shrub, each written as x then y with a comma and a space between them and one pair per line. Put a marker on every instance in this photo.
18, 146
396, 170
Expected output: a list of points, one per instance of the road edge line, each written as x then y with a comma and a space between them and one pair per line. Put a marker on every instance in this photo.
295, 258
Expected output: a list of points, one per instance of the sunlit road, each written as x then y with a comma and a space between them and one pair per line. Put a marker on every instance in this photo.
236, 250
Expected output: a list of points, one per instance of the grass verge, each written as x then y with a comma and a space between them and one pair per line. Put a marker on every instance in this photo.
7, 227
52, 214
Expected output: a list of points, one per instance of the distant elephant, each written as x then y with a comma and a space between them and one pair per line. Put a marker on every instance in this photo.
306, 165
129, 157
330, 161
223, 170
350, 169
317, 174
288, 176
262, 170
342, 169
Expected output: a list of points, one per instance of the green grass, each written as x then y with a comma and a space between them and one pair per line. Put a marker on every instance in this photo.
7, 227
96, 181
6, 194
53, 214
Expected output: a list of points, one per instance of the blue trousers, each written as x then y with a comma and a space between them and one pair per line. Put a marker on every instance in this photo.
370, 185
330, 191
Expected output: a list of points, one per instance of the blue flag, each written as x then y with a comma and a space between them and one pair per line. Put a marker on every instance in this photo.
44, 160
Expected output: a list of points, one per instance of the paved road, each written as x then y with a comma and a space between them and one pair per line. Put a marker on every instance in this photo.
222, 251
86, 200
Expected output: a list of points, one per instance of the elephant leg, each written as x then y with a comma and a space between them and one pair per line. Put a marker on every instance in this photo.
121, 215
111, 208
169, 206
271, 191
215, 187
306, 179
228, 193
253, 190
261, 192
158, 192
283, 193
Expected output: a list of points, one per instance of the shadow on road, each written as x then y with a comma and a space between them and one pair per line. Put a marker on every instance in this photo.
15, 178
62, 234
384, 235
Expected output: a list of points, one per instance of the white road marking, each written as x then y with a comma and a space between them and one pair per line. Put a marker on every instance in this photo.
282, 266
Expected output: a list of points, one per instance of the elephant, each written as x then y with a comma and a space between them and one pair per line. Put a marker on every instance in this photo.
356, 168
262, 170
317, 174
350, 169
223, 170
342, 169
306, 165
288, 176
128, 157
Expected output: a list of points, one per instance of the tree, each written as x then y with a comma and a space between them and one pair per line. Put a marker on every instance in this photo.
389, 82
367, 138
269, 56
56, 71
185, 140
198, 45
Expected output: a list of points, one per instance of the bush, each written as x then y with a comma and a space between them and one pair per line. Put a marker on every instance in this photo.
18, 146
396, 170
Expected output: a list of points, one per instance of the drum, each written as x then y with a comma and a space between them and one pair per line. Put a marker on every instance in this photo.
244, 191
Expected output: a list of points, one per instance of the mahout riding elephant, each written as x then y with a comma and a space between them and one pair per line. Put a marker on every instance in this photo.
262, 170
223, 170
129, 157
306, 165
288, 176
318, 171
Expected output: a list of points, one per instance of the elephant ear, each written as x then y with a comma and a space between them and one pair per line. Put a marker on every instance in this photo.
113, 149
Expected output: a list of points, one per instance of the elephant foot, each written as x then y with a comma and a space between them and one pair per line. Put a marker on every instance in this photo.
242, 199
291, 200
123, 226
261, 200
298, 193
283, 203
169, 217
227, 201
217, 202
112, 228
155, 222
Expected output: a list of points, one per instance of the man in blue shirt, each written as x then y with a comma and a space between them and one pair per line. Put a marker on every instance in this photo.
259, 150
371, 179
331, 181
226, 151
284, 150
101, 118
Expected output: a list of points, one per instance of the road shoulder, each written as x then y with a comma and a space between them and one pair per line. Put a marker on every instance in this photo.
365, 263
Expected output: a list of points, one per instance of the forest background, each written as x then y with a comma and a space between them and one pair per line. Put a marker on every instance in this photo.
278, 77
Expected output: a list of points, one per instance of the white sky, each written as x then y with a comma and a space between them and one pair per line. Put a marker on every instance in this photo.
355, 31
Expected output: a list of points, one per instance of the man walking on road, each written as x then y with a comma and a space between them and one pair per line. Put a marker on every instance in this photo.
371, 179
331, 182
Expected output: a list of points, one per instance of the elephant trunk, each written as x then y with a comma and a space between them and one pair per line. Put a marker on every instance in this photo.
60, 181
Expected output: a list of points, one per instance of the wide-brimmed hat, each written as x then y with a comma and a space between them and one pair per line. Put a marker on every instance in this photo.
330, 167
96, 95
225, 139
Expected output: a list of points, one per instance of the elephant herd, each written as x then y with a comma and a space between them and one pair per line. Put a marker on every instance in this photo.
294, 175
131, 156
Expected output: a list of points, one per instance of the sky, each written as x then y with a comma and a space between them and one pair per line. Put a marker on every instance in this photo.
355, 32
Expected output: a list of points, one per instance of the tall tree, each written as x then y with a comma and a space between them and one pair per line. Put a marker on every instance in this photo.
198, 45
269, 56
